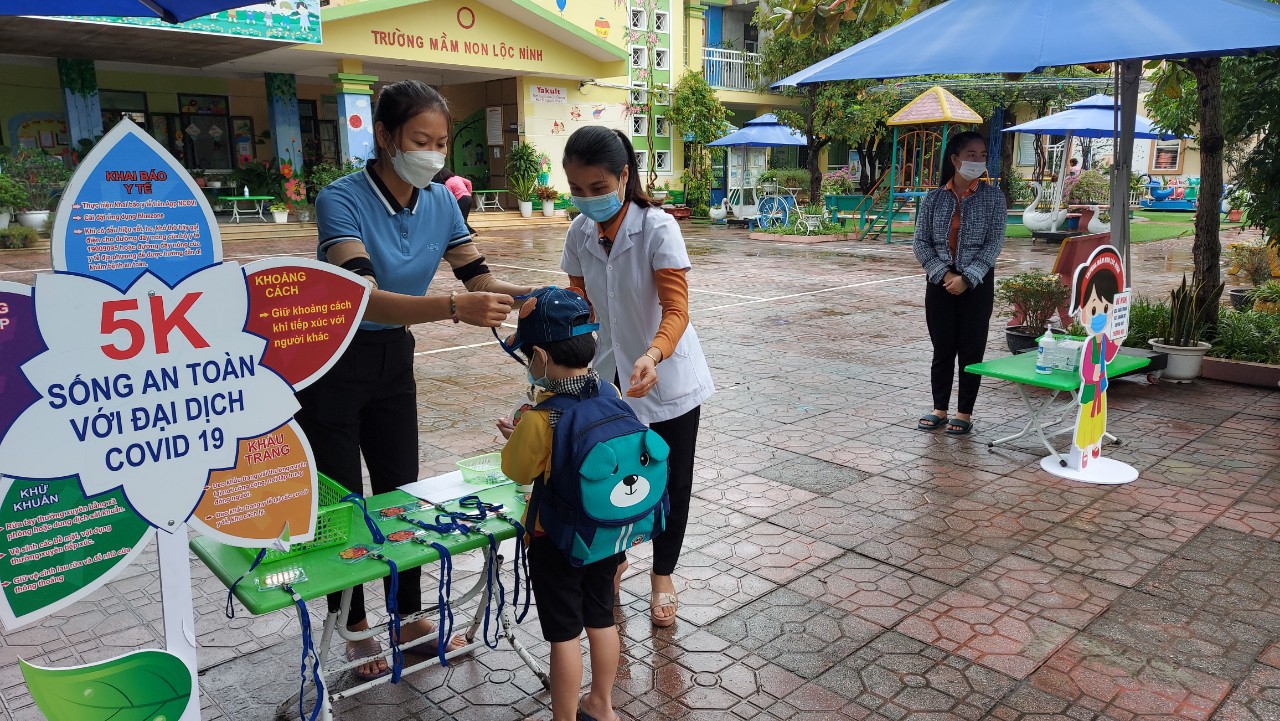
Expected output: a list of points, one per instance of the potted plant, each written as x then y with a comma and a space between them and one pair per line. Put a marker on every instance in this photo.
548, 196
1182, 329
1236, 202
199, 177
1266, 297
1089, 189
522, 189
43, 176
280, 211
660, 191
1251, 261
1033, 297
13, 194
523, 166
214, 181
304, 210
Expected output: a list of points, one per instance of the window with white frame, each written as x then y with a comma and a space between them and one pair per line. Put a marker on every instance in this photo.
638, 95
639, 124
660, 126
1026, 149
642, 160
639, 56
661, 58
661, 96
1167, 157
639, 20
662, 22
662, 160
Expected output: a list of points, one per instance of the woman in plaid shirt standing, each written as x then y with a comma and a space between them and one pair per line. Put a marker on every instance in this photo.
959, 234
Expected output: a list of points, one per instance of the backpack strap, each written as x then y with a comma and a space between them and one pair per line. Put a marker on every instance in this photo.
559, 402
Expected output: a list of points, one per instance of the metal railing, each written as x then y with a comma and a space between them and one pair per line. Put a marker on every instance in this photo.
731, 69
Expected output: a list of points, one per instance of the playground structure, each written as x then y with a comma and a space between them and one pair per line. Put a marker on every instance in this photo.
917, 157
1177, 196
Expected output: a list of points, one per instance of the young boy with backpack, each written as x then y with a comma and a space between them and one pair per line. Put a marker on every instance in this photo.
600, 487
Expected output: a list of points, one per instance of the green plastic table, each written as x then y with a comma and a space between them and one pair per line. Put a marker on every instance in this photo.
257, 204
327, 573
1020, 370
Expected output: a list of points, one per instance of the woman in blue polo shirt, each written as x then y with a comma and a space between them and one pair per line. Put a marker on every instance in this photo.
392, 225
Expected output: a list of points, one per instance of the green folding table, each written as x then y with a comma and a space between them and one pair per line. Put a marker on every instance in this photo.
1020, 369
327, 573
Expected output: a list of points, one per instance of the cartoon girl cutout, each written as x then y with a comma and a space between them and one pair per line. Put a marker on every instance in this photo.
1094, 291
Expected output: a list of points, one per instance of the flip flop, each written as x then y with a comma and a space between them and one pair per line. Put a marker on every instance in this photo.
583, 715
663, 600
930, 422
431, 647
962, 427
365, 648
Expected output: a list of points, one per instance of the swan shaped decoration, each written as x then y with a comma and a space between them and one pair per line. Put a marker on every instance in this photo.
719, 212
1095, 222
1038, 220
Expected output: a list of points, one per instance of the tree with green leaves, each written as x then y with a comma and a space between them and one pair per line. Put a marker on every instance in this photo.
697, 114
828, 111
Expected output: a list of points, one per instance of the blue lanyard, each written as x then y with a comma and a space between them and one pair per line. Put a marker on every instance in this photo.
493, 577
444, 630
308, 649
231, 609
393, 610
521, 561
360, 503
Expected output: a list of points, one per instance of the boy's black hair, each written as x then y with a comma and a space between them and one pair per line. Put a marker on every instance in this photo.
576, 352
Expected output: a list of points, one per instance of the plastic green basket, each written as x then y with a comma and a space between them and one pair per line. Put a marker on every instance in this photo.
333, 523
486, 469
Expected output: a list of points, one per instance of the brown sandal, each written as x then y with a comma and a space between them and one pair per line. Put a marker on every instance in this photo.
661, 600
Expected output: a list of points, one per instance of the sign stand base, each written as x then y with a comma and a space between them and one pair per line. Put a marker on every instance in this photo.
1100, 471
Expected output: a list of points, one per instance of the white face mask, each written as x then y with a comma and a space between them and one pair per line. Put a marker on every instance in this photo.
971, 169
417, 167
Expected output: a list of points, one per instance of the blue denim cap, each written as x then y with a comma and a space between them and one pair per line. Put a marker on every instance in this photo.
549, 315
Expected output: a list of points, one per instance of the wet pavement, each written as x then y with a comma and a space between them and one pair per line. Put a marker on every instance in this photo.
839, 564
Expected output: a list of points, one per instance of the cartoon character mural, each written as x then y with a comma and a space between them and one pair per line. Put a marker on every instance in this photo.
1094, 291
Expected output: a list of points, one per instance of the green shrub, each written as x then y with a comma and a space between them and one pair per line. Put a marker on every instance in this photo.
1248, 336
322, 174
1145, 319
1034, 295
18, 236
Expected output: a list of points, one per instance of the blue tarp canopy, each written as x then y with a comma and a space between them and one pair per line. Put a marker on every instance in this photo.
1092, 117
762, 132
173, 11
1024, 36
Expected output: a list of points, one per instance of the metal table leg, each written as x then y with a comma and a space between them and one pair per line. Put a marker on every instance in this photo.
330, 673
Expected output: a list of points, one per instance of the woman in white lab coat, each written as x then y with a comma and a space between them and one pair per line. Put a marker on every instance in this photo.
630, 258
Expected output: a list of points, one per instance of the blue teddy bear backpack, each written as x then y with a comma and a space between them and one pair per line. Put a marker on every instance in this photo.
607, 490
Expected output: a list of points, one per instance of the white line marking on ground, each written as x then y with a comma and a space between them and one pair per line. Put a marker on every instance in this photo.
815, 292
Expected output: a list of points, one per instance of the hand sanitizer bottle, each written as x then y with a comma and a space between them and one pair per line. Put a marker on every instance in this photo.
246, 191
1045, 351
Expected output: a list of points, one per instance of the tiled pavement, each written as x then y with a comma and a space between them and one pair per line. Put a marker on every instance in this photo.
839, 564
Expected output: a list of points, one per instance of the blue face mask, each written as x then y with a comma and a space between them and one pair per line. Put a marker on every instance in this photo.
542, 382
1099, 323
599, 208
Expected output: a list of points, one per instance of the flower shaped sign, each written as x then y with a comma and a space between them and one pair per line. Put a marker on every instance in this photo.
149, 385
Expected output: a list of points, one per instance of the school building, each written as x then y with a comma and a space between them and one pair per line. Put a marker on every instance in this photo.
294, 79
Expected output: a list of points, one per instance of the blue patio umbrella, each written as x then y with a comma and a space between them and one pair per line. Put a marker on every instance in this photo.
1022, 36
171, 11
1093, 117
762, 132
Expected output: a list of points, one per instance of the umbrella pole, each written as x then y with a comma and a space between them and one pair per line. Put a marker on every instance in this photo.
1130, 76
1062, 181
